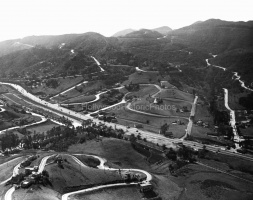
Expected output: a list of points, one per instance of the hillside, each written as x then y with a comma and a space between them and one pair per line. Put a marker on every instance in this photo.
215, 35
10, 46
239, 61
144, 33
123, 32
163, 30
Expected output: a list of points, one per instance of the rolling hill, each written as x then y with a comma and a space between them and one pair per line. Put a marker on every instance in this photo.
163, 30
123, 32
215, 35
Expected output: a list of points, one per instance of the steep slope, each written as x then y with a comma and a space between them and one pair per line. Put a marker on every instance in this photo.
17, 62
10, 46
238, 60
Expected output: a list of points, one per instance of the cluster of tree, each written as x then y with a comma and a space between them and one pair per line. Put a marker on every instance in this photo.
9, 140
132, 87
247, 101
52, 83
183, 156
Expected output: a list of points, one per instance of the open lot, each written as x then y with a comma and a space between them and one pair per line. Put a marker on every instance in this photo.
80, 99
176, 94
64, 83
202, 113
9, 115
144, 91
143, 77
42, 128
130, 118
85, 89
167, 107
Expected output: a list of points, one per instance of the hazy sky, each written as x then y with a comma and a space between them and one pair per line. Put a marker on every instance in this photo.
19, 18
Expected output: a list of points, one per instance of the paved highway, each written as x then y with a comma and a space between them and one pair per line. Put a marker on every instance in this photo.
153, 137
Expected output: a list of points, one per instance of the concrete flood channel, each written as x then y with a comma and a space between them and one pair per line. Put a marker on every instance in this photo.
101, 166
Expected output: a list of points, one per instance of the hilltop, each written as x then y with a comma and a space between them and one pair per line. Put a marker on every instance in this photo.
215, 35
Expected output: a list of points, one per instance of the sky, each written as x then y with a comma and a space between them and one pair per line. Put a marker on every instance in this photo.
20, 18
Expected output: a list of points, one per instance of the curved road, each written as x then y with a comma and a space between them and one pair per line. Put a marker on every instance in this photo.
152, 137
8, 194
103, 167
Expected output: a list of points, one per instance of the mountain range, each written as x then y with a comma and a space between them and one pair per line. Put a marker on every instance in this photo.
163, 30
163, 45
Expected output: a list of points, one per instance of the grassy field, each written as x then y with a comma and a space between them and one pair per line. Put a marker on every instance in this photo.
144, 91
199, 131
202, 113
130, 118
87, 89
120, 154
167, 107
9, 115
80, 99
36, 192
7, 169
72, 174
201, 183
64, 83
176, 94
122, 193
88, 160
4, 89
42, 128
143, 77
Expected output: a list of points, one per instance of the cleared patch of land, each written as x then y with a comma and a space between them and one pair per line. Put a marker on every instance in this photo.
64, 83
167, 107
144, 91
176, 94
143, 77
149, 123
80, 99
202, 113
42, 128
85, 89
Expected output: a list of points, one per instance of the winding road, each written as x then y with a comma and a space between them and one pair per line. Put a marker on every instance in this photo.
102, 166
8, 194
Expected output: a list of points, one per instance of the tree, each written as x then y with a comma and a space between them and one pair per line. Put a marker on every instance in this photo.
132, 138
